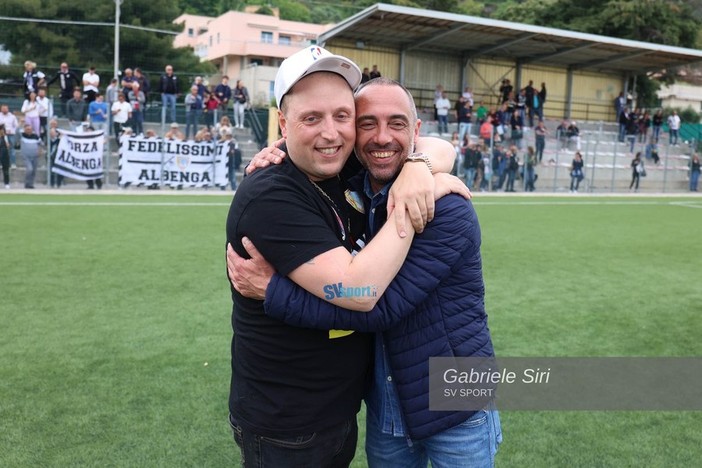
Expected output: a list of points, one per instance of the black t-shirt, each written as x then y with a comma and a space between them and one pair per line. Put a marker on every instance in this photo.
288, 380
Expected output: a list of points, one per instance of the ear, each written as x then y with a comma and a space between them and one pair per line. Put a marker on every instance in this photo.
282, 121
417, 126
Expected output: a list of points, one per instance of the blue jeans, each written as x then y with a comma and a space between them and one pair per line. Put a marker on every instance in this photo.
334, 447
463, 128
473, 443
168, 100
30, 163
656, 132
673, 137
443, 123
191, 119
470, 177
137, 122
694, 180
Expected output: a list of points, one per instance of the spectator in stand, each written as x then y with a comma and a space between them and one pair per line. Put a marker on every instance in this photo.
573, 134
577, 173
5, 145
144, 84
506, 89
652, 151
10, 123
97, 110
137, 100
233, 155
499, 167
32, 78
201, 87
529, 93
203, 136
46, 111
375, 73
644, 125
530, 163
438, 91
210, 106
30, 154
56, 180
540, 133
484, 170
128, 81
539, 107
77, 110
224, 94
68, 82
223, 125
637, 169
193, 109
517, 128
619, 106
442, 109
121, 113
674, 127
91, 84
624, 119
464, 115
632, 128
471, 158
468, 95
174, 133
561, 134
481, 113
486, 132
694, 172
458, 163
657, 124
30, 109
241, 99
365, 76
512, 168
522, 105
110, 98
168, 87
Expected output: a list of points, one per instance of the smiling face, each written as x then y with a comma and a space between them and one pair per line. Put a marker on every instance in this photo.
317, 120
386, 130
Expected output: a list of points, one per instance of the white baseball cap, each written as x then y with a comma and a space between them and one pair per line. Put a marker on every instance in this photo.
309, 60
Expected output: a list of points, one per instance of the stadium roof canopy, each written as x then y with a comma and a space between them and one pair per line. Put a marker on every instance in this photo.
410, 29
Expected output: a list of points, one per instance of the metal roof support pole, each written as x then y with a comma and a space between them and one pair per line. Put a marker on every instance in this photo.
569, 93
402, 66
626, 88
465, 61
518, 79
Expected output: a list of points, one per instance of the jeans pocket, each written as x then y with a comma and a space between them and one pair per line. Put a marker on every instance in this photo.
294, 442
478, 419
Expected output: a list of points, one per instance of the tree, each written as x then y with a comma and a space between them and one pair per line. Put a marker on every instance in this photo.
83, 45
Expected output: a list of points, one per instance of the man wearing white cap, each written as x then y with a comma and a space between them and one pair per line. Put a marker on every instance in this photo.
295, 391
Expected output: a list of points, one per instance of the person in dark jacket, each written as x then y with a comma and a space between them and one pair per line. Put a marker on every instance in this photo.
434, 307
168, 87
68, 81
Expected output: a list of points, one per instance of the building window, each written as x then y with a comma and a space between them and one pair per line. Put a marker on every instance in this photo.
284, 40
217, 38
256, 61
191, 32
267, 37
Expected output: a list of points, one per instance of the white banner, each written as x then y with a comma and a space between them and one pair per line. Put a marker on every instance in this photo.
185, 163
79, 155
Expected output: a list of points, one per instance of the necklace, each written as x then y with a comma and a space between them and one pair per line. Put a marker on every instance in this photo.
335, 209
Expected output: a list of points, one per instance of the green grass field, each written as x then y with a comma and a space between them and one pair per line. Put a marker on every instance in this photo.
115, 327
